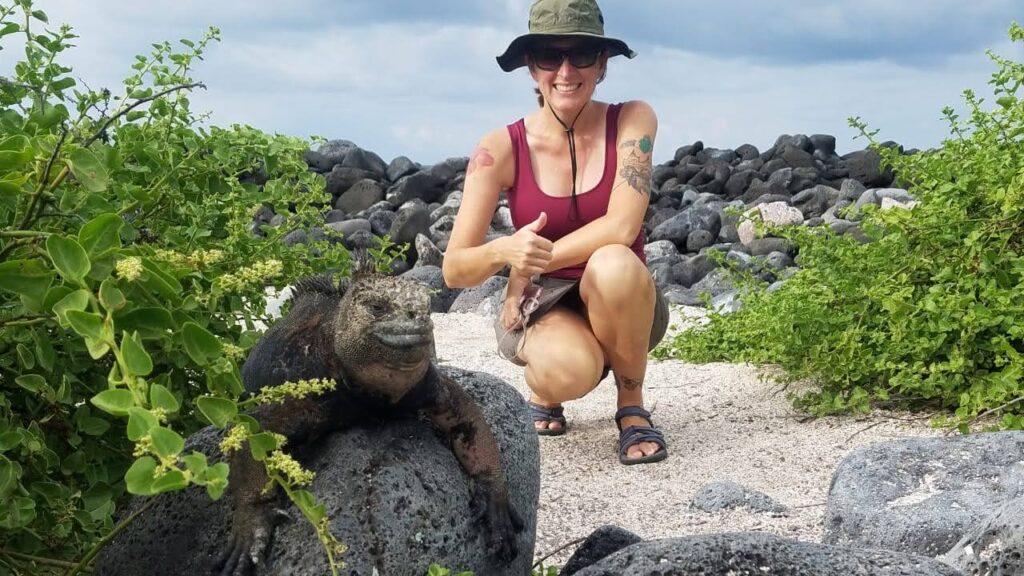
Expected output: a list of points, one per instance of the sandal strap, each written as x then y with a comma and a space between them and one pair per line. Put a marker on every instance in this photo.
544, 413
636, 434
631, 411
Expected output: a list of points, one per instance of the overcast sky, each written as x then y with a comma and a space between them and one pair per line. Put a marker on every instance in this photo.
418, 77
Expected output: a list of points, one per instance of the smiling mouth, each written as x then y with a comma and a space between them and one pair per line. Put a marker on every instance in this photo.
567, 88
411, 339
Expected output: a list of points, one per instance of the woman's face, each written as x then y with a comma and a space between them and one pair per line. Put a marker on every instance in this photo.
567, 71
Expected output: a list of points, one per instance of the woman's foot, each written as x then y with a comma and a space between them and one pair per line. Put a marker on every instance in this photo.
548, 420
639, 441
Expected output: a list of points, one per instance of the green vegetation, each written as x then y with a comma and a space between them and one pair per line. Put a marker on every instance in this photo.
930, 314
131, 285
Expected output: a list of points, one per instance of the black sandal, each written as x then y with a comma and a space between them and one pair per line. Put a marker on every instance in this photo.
545, 414
636, 434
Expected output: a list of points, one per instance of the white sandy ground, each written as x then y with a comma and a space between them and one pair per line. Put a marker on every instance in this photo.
721, 421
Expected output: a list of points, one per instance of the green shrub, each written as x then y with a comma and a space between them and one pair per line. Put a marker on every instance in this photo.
131, 284
930, 313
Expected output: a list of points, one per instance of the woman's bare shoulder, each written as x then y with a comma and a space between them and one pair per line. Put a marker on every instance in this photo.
638, 110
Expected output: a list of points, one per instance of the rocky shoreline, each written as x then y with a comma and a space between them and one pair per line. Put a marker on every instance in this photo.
696, 203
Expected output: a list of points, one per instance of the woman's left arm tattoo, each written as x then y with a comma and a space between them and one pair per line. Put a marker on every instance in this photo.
636, 167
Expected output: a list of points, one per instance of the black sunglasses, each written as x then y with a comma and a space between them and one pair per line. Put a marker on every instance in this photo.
551, 59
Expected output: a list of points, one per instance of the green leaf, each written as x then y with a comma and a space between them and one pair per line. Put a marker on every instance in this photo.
101, 233
166, 442
161, 282
202, 346
151, 323
140, 423
10, 473
15, 152
63, 84
25, 357
9, 440
93, 426
262, 444
68, 257
28, 278
32, 382
306, 502
40, 15
196, 463
111, 296
219, 411
9, 28
139, 478
86, 324
136, 359
45, 353
161, 397
217, 480
77, 301
115, 402
171, 480
12, 184
88, 169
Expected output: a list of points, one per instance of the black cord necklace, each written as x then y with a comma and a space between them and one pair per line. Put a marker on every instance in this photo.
574, 211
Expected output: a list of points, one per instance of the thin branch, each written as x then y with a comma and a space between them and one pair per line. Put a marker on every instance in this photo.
23, 234
986, 413
556, 551
137, 103
89, 556
43, 182
865, 429
37, 559
23, 321
14, 244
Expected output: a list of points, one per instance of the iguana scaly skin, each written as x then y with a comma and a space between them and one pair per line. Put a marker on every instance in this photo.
373, 335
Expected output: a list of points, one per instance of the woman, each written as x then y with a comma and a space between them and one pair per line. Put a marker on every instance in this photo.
577, 174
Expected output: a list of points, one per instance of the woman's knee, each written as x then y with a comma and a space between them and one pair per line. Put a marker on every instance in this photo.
566, 374
616, 270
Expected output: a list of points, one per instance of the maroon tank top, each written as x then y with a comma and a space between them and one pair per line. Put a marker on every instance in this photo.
526, 200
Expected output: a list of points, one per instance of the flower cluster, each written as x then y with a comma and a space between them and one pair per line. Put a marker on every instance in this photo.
300, 389
129, 268
197, 259
233, 439
280, 463
252, 275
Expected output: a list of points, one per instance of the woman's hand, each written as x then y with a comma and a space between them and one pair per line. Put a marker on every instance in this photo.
527, 252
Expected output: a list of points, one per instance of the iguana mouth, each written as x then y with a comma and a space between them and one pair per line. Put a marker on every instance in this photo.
404, 334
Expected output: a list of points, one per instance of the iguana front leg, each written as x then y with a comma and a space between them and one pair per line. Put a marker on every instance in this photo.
474, 445
256, 515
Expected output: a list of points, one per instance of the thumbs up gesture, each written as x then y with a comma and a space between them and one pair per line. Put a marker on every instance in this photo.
526, 251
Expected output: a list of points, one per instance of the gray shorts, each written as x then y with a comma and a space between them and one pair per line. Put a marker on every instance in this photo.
567, 293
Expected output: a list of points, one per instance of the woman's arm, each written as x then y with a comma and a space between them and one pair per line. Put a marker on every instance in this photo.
630, 195
468, 260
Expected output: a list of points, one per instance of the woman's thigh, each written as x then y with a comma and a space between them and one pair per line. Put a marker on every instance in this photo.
563, 359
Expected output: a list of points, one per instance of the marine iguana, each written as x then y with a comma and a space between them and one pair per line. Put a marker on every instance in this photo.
373, 335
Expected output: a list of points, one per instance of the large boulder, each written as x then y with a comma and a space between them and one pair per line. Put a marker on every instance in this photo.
922, 495
994, 547
394, 491
756, 553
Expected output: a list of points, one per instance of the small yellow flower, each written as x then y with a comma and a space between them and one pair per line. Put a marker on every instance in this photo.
286, 466
129, 268
233, 440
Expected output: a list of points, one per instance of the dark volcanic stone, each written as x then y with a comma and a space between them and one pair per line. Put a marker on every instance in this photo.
601, 542
401, 166
395, 494
922, 495
824, 143
737, 184
678, 228
409, 222
765, 246
688, 150
865, 166
421, 185
747, 152
470, 299
699, 239
341, 178
995, 547
360, 196
381, 221
796, 157
749, 554
365, 160
719, 496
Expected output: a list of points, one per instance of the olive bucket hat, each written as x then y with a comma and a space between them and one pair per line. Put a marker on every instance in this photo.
550, 19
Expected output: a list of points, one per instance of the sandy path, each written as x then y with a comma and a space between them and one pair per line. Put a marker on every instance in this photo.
722, 422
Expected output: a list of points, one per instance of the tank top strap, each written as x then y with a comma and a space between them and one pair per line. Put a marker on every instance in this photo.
520, 151
611, 134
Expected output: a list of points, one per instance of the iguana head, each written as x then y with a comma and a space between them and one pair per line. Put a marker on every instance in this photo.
383, 333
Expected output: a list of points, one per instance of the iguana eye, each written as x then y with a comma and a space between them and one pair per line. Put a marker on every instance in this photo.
378, 308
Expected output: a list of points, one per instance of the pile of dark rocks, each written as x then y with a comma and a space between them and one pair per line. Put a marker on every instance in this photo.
699, 203
925, 506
